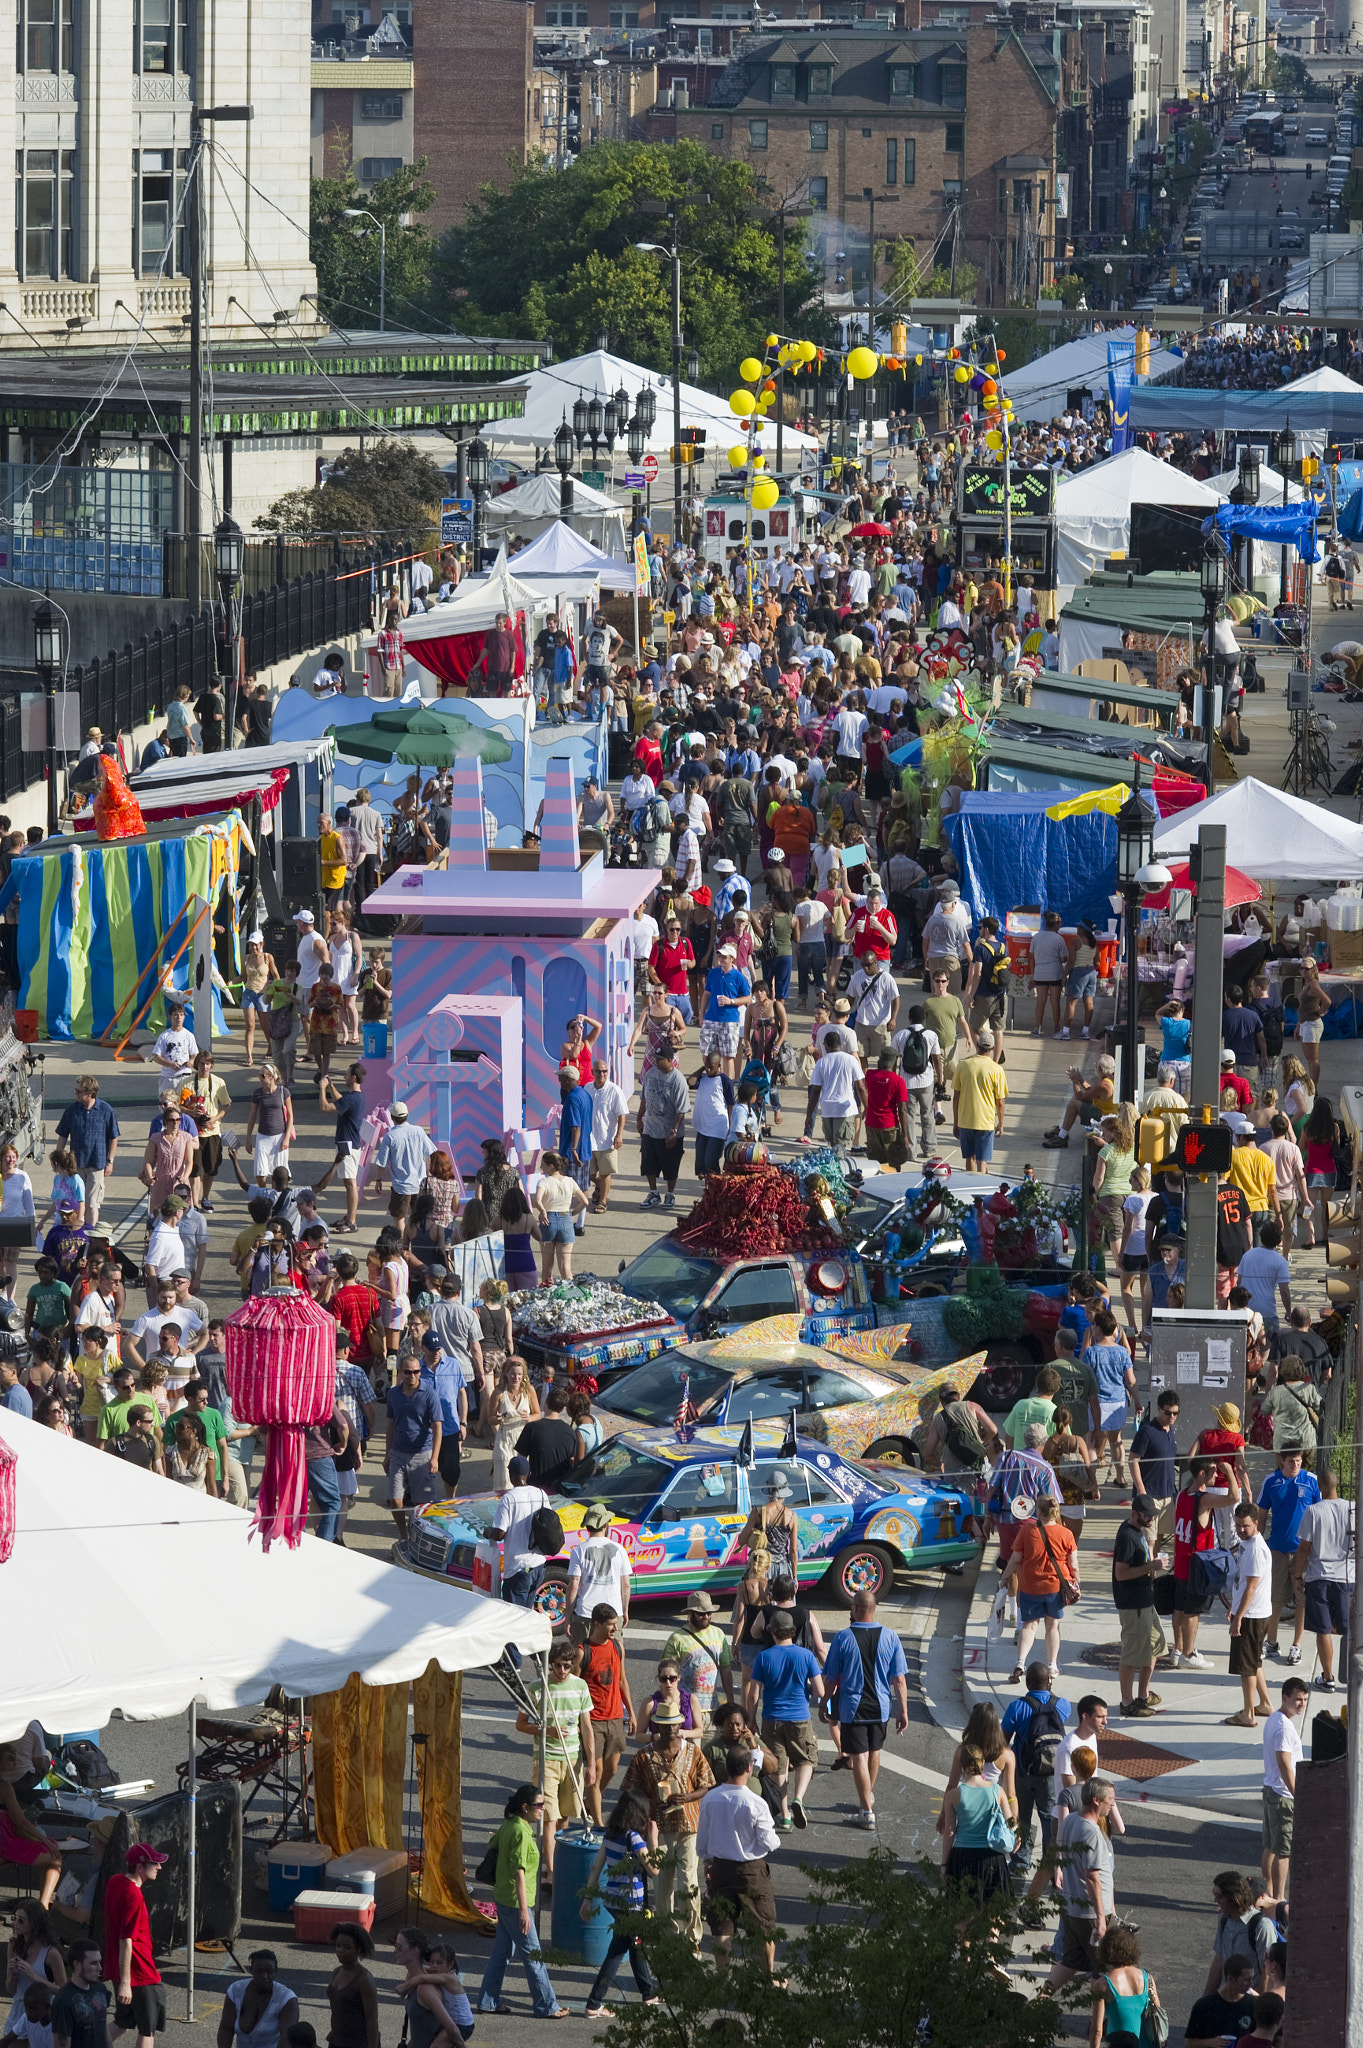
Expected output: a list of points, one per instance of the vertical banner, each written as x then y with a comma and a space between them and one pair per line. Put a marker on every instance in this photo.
1119, 360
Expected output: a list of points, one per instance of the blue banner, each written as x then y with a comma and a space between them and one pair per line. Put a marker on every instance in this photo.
1120, 357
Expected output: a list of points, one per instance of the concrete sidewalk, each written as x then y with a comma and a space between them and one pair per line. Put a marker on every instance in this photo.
1181, 1757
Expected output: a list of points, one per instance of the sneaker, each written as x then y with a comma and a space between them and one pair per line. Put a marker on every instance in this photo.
798, 1814
1272, 1650
1324, 1684
653, 1200
669, 1202
866, 1820
1057, 1035
1180, 1661
1197, 1662
1055, 1144
1294, 1654
1087, 1032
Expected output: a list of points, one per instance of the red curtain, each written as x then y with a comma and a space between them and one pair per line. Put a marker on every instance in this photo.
454, 656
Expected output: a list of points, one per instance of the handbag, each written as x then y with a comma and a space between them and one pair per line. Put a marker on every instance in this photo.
1154, 2022
1000, 1836
1068, 1590
486, 1872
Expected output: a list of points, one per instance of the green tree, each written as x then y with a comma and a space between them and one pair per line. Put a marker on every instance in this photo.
389, 490
346, 252
554, 257
925, 276
889, 1958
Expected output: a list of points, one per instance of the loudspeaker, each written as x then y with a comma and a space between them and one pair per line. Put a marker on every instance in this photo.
281, 941
302, 872
1299, 689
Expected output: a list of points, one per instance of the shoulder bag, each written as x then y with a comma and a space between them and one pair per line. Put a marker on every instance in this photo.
1068, 1589
1000, 1836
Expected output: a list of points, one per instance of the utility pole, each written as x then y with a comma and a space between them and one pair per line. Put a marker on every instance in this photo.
787, 210
873, 199
194, 223
1207, 861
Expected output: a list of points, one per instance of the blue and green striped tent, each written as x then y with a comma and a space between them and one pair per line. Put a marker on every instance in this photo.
93, 913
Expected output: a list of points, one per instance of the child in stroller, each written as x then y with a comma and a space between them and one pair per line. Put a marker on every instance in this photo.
764, 1098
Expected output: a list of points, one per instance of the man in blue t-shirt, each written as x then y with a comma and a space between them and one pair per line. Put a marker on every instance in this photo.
727, 991
786, 1676
1036, 1787
411, 1443
1283, 1499
865, 1663
575, 1130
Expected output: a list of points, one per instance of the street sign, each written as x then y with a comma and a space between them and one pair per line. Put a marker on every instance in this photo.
594, 479
634, 479
650, 468
456, 522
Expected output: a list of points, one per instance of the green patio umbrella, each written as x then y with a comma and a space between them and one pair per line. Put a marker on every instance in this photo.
419, 738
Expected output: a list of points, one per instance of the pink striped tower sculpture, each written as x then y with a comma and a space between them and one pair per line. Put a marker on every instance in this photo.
551, 929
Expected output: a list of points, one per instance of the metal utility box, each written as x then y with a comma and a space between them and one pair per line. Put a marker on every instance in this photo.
1201, 1353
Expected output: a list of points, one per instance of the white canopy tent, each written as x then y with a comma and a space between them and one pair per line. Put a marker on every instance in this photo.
1038, 390
474, 606
1271, 482
1271, 835
536, 503
1311, 441
1093, 509
561, 560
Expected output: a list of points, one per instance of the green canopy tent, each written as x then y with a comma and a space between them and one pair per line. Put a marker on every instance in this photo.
419, 737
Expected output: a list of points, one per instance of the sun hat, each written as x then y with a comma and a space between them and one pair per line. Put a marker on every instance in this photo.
596, 1516
1228, 1415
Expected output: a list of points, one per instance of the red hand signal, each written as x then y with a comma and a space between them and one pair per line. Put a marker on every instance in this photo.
1193, 1148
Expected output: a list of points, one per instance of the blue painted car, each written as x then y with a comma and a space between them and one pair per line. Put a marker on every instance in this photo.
680, 1502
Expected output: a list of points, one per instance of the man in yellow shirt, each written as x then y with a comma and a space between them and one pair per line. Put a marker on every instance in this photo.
1253, 1173
978, 1094
331, 854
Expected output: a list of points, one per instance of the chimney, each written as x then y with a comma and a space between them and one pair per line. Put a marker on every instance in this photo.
558, 826
468, 835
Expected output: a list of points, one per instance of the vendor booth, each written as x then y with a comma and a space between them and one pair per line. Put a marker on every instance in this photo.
561, 562
1009, 852
1132, 505
1091, 697
980, 522
536, 503
449, 641
1040, 390
1270, 835
185, 785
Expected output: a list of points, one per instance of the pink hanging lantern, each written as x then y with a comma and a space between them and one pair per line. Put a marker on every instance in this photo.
9, 1465
281, 1371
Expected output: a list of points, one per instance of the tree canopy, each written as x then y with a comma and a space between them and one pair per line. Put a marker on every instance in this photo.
346, 252
389, 488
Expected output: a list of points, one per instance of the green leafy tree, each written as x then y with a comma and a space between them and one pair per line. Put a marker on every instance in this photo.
915, 275
346, 252
554, 257
389, 491
889, 1957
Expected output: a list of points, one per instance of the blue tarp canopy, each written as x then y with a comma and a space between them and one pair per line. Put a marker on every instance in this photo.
1282, 526
1336, 413
1351, 517
1009, 852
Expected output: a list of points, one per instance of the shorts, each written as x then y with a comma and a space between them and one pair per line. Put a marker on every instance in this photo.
1074, 1947
1082, 984
411, 1482
1143, 1640
862, 1738
873, 1039
1311, 1033
987, 1009
739, 1891
451, 1453
1327, 1607
1283, 1585
145, 2012
1111, 1414
838, 1130
886, 1146
210, 1156
976, 1144
348, 1160
720, 1038
604, 1163
254, 999
1041, 1606
560, 1788
1247, 1648
657, 1158
791, 1742
1135, 1262
558, 1227
608, 1739
1186, 1601
1277, 1836
399, 1205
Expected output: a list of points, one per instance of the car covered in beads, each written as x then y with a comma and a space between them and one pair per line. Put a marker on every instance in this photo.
679, 1501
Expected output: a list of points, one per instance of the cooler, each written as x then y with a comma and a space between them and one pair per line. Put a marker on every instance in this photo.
585, 1940
1020, 927
293, 1867
1107, 959
377, 1874
316, 1913
375, 1037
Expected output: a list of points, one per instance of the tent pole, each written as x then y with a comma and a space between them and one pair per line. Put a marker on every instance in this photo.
192, 1859
541, 1743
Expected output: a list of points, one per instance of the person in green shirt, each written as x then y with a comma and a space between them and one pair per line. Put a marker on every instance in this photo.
1078, 1389
1039, 1406
113, 1416
518, 1862
216, 1427
48, 1304
569, 1759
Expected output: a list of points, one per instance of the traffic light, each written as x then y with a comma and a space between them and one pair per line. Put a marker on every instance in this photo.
684, 454
693, 437
1204, 1148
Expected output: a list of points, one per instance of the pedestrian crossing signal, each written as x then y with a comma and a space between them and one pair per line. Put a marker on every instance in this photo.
1204, 1148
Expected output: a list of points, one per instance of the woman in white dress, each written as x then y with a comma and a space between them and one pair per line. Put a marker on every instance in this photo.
347, 965
507, 1408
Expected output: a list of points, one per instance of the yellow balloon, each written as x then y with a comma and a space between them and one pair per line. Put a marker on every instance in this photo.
764, 495
994, 441
808, 351
759, 462
773, 340
737, 458
750, 369
863, 363
765, 400
743, 403
962, 374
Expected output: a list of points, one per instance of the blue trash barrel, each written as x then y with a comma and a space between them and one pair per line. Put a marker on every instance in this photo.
588, 1940
375, 1038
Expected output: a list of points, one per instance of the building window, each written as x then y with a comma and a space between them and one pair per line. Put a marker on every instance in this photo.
1022, 195
1105, 156
716, 131
783, 81
1145, 31
954, 140
45, 36
560, 14
373, 168
1003, 195
891, 161
820, 81
382, 106
903, 81
163, 35
818, 194
818, 135
624, 17
1102, 213
910, 160
952, 80
158, 188
757, 134
42, 212
951, 191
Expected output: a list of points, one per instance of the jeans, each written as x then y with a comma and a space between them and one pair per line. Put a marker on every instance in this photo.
709, 1155
622, 1945
919, 1109
510, 1940
324, 1496
780, 977
1036, 1795
812, 960
520, 1588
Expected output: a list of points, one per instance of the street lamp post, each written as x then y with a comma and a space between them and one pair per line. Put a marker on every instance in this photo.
564, 449
872, 199
1249, 495
363, 213
1213, 579
480, 474
49, 660
228, 552
1284, 447
782, 215
1135, 847
673, 253
636, 437
646, 410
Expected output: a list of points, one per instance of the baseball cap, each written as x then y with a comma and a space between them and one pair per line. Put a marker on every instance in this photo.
398, 1110
1146, 1506
1228, 1059
1237, 1121
141, 1854
519, 1468
255, 938
783, 1622
727, 947
304, 917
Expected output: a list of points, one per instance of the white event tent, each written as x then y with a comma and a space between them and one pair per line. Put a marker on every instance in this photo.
474, 606
562, 562
1271, 835
1038, 389
535, 503
1093, 509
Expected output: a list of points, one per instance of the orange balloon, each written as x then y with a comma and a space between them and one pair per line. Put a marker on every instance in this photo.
769, 385
1003, 355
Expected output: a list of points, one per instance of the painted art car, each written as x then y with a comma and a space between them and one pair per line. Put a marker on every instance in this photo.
679, 1503
860, 1408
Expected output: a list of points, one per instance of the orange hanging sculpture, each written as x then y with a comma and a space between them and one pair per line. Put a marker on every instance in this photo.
118, 815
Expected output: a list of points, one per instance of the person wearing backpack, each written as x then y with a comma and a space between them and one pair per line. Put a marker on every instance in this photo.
920, 1058
522, 1560
1035, 1727
986, 992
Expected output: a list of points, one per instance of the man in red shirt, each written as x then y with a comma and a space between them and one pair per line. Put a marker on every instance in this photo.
1194, 1531
354, 1303
613, 1719
1237, 1084
139, 1996
887, 1124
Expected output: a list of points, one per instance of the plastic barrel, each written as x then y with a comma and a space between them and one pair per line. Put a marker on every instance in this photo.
587, 1940
375, 1038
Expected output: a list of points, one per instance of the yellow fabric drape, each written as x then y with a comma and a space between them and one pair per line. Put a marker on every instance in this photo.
437, 1698
359, 1761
